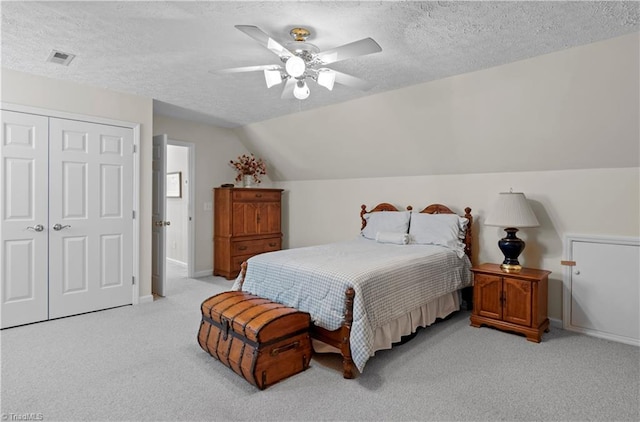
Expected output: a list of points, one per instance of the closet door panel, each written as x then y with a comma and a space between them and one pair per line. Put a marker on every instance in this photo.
605, 293
23, 225
91, 199
74, 266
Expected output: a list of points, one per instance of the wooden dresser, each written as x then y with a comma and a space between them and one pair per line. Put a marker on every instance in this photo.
246, 222
511, 301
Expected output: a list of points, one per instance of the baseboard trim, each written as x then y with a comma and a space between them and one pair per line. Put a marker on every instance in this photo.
556, 323
175, 261
205, 273
145, 299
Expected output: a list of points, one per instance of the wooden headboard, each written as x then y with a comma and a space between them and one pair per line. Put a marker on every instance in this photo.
431, 209
384, 206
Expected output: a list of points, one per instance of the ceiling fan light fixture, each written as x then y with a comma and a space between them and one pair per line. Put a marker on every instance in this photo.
300, 60
272, 77
301, 91
295, 66
326, 78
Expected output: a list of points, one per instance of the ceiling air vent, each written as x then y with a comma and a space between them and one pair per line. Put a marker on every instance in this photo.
59, 57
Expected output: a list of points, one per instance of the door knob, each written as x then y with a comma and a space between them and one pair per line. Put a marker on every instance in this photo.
37, 228
58, 226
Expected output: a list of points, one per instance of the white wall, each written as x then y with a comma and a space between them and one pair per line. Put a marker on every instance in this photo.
600, 201
36, 91
214, 147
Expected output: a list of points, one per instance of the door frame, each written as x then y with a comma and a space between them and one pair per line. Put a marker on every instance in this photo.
136, 172
191, 149
191, 246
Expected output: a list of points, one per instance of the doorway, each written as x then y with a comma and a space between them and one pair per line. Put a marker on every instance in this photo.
178, 212
175, 236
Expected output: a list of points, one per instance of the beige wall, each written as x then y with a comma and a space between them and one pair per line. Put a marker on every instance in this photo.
571, 109
36, 91
600, 201
214, 147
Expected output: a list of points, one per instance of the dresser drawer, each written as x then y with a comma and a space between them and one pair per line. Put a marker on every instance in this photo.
253, 247
269, 245
236, 262
256, 195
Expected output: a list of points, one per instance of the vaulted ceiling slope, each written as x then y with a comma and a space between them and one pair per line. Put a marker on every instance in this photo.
572, 109
165, 50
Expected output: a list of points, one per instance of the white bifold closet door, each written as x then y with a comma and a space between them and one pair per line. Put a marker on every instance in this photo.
90, 217
67, 238
25, 218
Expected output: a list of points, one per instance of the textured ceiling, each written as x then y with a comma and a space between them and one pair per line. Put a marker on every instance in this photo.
165, 50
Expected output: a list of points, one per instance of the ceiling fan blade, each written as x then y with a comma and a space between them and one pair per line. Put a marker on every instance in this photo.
287, 91
357, 48
264, 39
247, 69
352, 81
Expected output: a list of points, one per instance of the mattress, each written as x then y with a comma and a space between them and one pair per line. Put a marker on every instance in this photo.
389, 282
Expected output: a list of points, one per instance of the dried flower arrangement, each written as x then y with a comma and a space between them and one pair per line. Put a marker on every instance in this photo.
249, 165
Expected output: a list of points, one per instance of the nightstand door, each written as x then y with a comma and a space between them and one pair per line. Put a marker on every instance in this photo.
517, 301
488, 295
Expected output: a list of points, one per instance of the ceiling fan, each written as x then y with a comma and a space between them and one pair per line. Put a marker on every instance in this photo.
302, 61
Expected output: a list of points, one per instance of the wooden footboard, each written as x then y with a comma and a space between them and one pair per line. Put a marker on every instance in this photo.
339, 338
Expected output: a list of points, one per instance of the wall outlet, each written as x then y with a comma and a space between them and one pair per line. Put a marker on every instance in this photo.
208, 206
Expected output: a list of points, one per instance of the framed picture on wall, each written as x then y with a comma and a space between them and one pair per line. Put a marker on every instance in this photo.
174, 185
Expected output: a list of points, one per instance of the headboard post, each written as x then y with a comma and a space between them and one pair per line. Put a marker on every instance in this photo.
363, 211
468, 237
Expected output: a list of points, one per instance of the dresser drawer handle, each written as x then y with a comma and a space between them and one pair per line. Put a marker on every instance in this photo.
258, 195
272, 244
242, 248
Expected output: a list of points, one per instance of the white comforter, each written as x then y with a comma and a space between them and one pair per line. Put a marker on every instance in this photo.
389, 281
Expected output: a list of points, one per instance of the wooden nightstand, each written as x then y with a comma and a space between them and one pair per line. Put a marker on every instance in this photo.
511, 301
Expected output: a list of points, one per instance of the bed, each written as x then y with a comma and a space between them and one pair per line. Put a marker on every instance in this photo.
365, 294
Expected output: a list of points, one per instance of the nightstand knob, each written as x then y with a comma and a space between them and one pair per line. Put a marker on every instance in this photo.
576, 272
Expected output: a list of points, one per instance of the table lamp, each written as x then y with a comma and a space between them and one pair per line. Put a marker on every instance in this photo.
511, 211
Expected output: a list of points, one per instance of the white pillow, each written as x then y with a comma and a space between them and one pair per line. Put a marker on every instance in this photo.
438, 229
385, 221
392, 237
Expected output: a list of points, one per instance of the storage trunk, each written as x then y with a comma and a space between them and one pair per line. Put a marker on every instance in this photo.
262, 341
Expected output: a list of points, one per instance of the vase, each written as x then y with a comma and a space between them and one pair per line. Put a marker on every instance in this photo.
247, 181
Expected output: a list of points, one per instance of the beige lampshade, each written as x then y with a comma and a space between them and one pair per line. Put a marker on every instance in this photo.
511, 210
